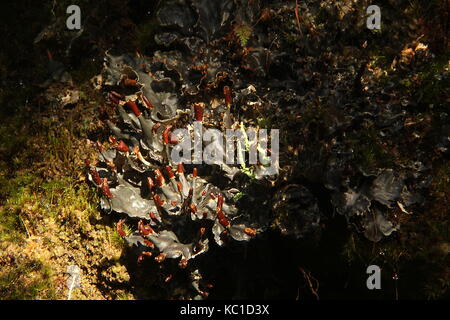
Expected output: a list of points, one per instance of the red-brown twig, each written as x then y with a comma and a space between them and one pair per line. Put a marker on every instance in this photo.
308, 277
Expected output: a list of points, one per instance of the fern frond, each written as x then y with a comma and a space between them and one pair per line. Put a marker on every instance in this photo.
243, 32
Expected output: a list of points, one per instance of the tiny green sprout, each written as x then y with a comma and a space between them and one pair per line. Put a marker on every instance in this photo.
264, 123
244, 134
238, 195
249, 172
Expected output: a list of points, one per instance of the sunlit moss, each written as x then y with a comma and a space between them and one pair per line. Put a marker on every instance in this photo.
27, 281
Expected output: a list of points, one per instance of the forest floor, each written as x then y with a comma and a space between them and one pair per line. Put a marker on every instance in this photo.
49, 215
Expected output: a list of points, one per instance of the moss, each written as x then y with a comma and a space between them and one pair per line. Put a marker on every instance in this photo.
12, 140
124, 296
145, 33
116, 239
441, 185
432, 87
65, 200
15, 193
370, 153
47, 211
11, 227
28, 281
86, 71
